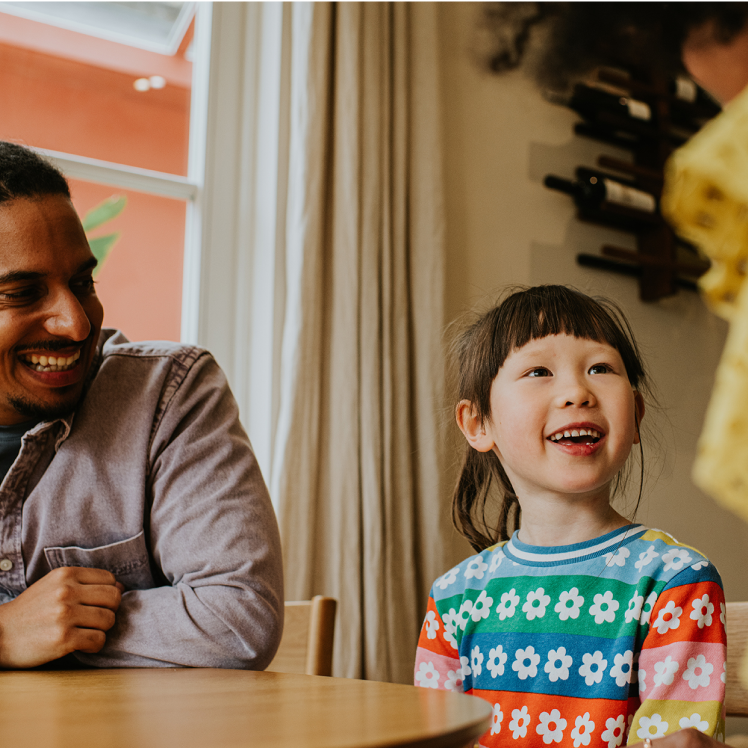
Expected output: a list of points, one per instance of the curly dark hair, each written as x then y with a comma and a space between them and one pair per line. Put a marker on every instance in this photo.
24, 173
580, 36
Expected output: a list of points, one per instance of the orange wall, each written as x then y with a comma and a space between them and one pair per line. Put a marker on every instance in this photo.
70, 106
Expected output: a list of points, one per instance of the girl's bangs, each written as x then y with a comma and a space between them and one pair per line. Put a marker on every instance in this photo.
556, 310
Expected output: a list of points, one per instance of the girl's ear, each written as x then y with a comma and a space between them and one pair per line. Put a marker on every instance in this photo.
639, 411
472, 427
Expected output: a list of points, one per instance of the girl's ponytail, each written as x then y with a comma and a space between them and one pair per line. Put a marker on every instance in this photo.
480, 470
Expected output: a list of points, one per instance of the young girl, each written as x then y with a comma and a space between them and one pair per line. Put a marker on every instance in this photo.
582, 629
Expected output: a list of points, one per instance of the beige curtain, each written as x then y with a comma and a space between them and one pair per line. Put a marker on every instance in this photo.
358, 455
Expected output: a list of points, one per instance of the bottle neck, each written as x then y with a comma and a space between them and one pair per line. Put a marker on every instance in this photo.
562, 185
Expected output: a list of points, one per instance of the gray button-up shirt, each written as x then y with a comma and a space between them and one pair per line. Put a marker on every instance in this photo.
152, 478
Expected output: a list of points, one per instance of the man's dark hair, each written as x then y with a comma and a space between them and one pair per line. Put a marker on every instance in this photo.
641, 36
24, 173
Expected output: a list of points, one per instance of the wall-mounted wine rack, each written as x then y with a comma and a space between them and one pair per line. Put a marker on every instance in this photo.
649, 119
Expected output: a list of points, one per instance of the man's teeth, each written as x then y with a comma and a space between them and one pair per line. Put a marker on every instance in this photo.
575, 432
51, 363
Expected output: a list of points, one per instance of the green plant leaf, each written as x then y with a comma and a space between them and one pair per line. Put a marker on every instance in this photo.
103, 212
100, 247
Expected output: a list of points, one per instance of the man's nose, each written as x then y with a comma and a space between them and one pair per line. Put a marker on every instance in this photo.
66, 317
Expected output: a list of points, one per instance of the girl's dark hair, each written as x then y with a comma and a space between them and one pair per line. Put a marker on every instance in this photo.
584, 35
481, 350
24, 173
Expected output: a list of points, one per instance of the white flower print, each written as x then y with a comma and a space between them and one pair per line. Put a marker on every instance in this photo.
700, 678
496, 558
566, 611
722, 613
615, 729
454, 680
623, 668
476, 660
642, 676
676, 558
465, 614
465, 666
617, 558
508, 604
646, 558
647, 609
496, 659
647, 724
665, 671
700, 565
634, 609
536, 611
694, 721
482, 606
519, 723
723, 677
427, 675
583, 729
551, 727
432, 625
475, 568
702, 611
450, 627
556, 671
444, 581
668, 618
526, 671
593, 667
606, 613
496, 719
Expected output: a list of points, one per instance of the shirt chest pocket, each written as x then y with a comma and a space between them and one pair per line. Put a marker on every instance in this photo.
126, 559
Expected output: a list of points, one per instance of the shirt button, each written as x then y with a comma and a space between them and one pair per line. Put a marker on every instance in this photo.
6, 564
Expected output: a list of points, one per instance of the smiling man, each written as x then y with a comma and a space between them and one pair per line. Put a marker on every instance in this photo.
135, 527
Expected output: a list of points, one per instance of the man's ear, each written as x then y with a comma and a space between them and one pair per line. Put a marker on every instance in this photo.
472, 427
639, 413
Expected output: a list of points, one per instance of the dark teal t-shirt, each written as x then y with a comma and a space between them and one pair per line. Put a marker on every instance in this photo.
10, 444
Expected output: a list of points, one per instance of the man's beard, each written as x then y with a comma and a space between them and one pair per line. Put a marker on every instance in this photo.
43, 412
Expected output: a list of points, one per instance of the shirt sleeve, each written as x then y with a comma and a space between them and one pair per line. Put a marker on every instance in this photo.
437, 657
683, 658
213, 542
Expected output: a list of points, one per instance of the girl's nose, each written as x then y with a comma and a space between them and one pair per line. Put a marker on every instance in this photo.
576, 394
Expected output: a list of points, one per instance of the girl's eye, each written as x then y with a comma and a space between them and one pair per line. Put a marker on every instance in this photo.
600, 369
539, 372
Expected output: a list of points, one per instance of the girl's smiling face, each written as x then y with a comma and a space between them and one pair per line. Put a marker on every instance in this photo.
563, 417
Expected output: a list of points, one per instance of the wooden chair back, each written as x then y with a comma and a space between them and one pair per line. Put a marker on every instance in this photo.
736, 696
308, 631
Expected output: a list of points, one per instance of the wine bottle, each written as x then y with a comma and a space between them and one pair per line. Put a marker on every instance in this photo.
592, 190
590, 102
684, 89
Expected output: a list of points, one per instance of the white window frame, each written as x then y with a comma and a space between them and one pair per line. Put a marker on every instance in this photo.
233, 291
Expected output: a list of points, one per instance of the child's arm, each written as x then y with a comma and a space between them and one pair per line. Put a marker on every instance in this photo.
437, 658
682, 660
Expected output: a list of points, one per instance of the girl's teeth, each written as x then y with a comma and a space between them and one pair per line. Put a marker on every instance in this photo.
35, 359
43, 360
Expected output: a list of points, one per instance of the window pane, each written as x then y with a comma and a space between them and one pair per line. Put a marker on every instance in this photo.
77, 93
140, 281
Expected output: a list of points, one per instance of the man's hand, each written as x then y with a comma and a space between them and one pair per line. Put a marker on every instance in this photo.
689, 738
68, 610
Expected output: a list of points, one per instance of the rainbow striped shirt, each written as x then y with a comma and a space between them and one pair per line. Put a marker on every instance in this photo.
621, 637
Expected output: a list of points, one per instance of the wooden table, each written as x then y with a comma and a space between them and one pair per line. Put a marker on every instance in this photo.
196, 708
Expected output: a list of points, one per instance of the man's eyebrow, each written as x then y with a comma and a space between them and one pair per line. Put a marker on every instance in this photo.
15, 276
19, 275
89, 264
